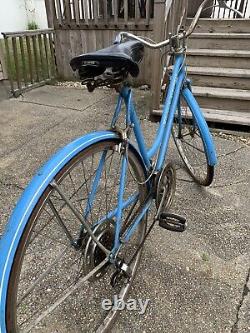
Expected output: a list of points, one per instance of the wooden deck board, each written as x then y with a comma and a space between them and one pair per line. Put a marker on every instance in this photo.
221, 116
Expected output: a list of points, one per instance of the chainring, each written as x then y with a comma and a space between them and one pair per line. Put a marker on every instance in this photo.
93, 255
167, 181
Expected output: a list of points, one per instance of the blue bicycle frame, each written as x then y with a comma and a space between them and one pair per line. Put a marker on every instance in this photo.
178, 85
45, 176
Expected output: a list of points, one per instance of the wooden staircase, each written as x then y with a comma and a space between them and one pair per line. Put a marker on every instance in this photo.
218, 59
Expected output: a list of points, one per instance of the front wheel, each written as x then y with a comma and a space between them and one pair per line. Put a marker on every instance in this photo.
55, 253
190, 144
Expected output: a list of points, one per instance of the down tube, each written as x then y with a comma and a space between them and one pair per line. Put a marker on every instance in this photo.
167, 105
201, 122
170, 120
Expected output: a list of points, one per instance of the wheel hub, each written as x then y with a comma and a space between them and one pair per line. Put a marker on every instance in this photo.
166, 182
93, 255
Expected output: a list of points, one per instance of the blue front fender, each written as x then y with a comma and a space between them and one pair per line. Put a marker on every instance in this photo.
27, 202
200, 120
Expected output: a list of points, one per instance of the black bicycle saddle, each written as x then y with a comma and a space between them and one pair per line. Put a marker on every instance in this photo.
120, 57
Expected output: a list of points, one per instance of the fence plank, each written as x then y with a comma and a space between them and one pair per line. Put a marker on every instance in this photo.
34, 44
115, 2
125, 12
85, 8
50, 12
3, 63
72, 12
16, 60
29, 52
105, 12
7, 50
59, 51
95, 12
23, 61
137, 12
45, 43
59, 12
148, 14
90, 7
77, 12
40, 49
67, 12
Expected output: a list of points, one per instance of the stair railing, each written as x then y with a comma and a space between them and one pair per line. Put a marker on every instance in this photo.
243, 6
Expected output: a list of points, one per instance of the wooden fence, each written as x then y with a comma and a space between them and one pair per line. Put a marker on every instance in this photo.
83, 26
30, 58
102, 14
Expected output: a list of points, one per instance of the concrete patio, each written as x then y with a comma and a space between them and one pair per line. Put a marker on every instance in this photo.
197, 281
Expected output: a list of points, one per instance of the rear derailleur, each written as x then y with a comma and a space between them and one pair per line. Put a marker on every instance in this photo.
123, 272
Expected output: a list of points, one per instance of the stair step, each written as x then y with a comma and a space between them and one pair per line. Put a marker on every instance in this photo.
220, 77
214, 71
221, 116
222, 35
225, 41
222, 25
227, 116
234, 94
218, 58
220, 53
223, 98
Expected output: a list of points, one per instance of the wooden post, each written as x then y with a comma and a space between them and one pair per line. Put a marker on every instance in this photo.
50, 14
24, 71
2, 61
30, 61
159, 17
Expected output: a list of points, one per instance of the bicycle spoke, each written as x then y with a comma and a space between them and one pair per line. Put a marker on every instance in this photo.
79, 216
60, 222
68, 292
190, 145
88, 203
63, 250
42, 276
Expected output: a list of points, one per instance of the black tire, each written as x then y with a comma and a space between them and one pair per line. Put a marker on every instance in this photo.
43, 239
190, 145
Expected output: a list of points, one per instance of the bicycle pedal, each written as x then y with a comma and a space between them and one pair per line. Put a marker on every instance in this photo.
172, 222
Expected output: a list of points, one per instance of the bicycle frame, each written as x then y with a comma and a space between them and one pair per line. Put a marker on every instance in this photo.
178, 85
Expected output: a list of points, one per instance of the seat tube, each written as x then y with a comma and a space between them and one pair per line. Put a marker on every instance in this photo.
120, 201
136, 124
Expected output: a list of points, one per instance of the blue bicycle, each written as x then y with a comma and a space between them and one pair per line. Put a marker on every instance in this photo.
75, 238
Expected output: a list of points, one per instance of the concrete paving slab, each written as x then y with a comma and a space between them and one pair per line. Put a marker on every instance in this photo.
197, 281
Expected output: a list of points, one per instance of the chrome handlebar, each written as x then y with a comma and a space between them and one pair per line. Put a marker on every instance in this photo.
182, 35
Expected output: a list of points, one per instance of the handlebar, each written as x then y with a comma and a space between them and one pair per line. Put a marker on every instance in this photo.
182, 35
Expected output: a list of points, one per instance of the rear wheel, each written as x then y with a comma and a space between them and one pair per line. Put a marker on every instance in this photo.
190, 144
46, 292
